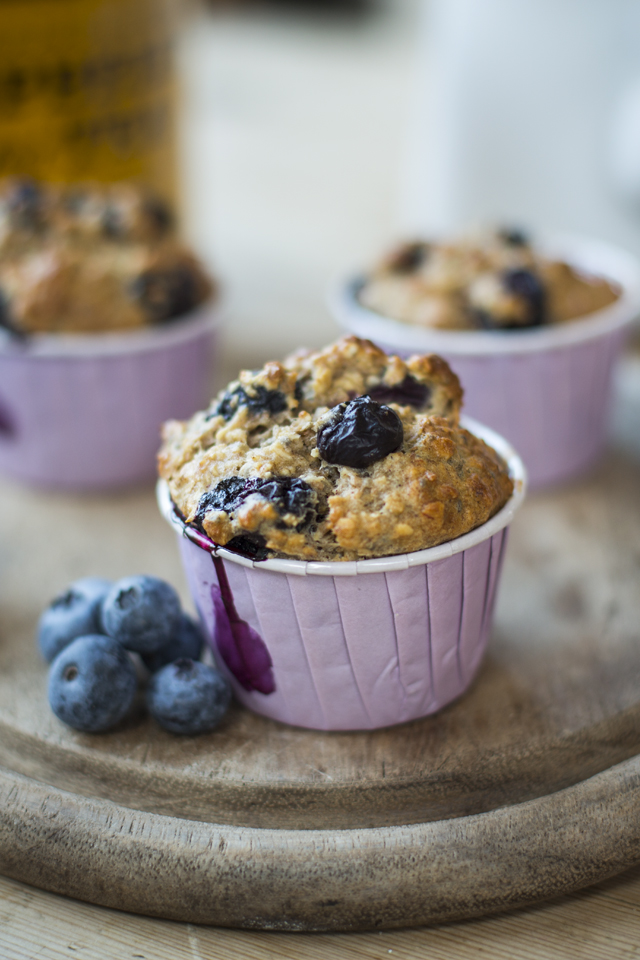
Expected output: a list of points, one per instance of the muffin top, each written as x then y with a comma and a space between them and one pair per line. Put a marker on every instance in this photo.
491, 280
91, 258
338, 455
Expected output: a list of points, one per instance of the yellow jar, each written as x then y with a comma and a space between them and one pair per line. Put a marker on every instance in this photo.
87, 91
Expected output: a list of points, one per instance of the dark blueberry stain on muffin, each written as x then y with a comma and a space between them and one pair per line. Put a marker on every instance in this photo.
527, 286
74, 200
409, 258
112, 223
25, 205
410, 392
359, 433
159, 214
529, 290
251, 545
289, 495
260, 401
226, 495
165, 293
514, 237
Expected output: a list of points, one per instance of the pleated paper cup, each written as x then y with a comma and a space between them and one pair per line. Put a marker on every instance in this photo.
354, 645
83, 412
548, 389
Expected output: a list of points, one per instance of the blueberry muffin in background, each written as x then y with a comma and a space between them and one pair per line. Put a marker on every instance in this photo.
91, 258
342, 454
492, 280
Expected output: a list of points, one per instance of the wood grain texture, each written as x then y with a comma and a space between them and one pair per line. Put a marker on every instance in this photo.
318, 879
600, 923
556, 701
506, 797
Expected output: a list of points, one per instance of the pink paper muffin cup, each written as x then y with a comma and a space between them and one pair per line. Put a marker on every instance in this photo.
83, 412
354, 645
547, 390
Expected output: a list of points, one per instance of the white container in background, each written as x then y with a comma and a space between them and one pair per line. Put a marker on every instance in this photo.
526, 112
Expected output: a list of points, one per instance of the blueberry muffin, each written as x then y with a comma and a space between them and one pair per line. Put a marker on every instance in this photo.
493, 280
338, 455
89, 259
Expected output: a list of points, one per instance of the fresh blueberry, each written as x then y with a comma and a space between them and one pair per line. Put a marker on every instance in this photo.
359, 433
188, 697
409, 393
187, 641
289, 495
165, 293
142, 613
75, 613
259, 401
92, 683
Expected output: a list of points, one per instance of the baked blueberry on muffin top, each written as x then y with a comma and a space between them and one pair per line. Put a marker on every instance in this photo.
91, 258
492, 280
342, 454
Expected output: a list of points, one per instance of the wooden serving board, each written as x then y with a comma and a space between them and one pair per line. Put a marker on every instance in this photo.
526, 787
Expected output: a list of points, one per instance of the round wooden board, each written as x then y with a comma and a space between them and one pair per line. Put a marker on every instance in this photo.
528, 786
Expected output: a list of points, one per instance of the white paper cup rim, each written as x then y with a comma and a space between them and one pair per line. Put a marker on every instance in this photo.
592, 256
403, 561
177, 331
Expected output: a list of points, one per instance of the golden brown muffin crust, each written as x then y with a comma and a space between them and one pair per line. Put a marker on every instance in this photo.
492, 279
249, 471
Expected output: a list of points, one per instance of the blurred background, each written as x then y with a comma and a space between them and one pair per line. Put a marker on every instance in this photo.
313, 134
310, 134
293, 138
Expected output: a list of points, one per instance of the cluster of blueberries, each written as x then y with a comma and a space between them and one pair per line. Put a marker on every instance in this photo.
90, 635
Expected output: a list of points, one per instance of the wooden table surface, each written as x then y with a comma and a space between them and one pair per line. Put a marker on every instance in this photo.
602, 922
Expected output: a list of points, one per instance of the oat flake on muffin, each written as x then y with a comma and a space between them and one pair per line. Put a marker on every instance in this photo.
337, 455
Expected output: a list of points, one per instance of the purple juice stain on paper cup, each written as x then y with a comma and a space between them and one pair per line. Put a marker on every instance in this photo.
7, 424
241, 648
395, 640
